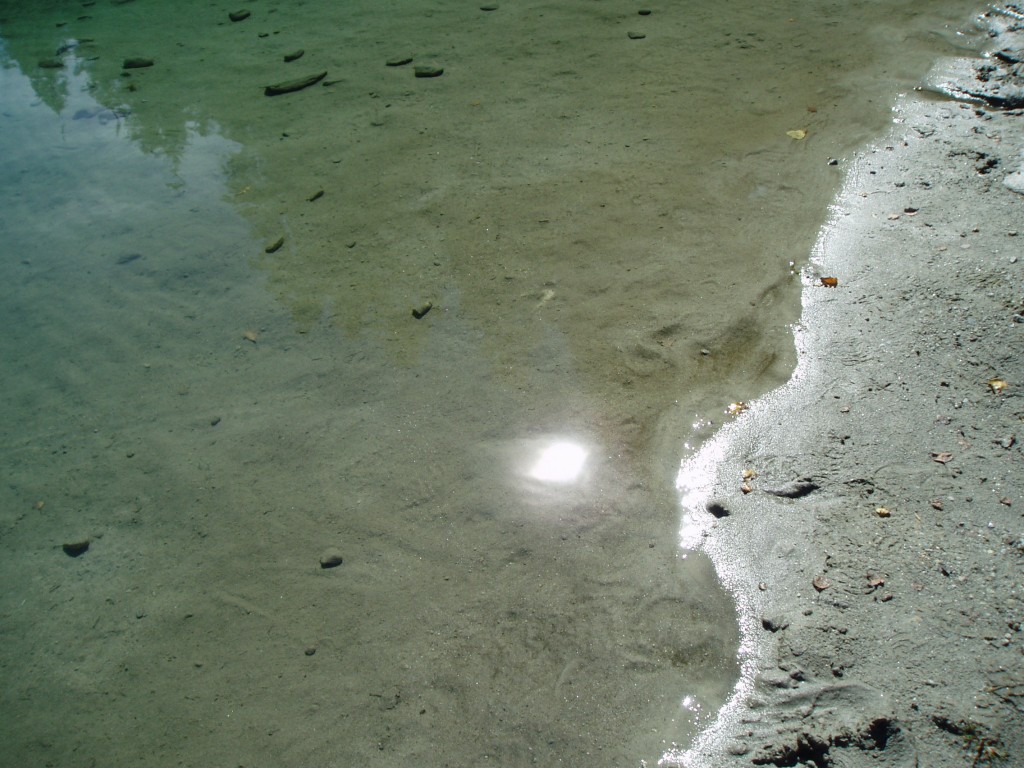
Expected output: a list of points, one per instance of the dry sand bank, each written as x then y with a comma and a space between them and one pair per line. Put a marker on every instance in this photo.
883, 600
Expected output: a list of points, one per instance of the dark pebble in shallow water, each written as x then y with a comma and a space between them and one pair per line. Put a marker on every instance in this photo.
399, 61
294, 56
636, 35
239, 15
51, 64
427, 70
137, 63
290, 86
75, 548
330, 559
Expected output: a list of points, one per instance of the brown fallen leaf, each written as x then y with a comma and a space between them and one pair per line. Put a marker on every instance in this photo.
746, 488
997, 385
251, 336
875, 581
936, 504
1006, 500
821, 583
883, 512
942, 458
830, 282
798, 134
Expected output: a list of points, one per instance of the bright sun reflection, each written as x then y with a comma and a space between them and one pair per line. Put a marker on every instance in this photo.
559, 463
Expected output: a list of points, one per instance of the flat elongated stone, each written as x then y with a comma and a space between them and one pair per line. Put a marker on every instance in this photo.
290, 86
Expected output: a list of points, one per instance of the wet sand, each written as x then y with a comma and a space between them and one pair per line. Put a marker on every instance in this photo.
876, 551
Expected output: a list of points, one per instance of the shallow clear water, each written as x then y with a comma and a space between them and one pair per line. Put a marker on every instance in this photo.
605, 228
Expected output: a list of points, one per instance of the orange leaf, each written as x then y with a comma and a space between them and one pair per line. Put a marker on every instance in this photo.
830, 282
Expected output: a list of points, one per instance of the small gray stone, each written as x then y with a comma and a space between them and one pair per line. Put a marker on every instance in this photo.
331, 558
774, 623
1015, 181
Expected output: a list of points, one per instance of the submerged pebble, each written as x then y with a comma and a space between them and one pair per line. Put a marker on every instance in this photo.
330, 558
76, 547
290, 86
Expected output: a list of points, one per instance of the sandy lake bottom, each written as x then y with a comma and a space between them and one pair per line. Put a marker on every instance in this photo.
455, 332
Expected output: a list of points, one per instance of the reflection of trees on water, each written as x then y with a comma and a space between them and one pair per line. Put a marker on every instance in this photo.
72, 63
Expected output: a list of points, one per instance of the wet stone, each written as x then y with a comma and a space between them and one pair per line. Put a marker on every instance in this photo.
330, 558
428, 70
794, 490
76, 547
774, 623
717, 509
